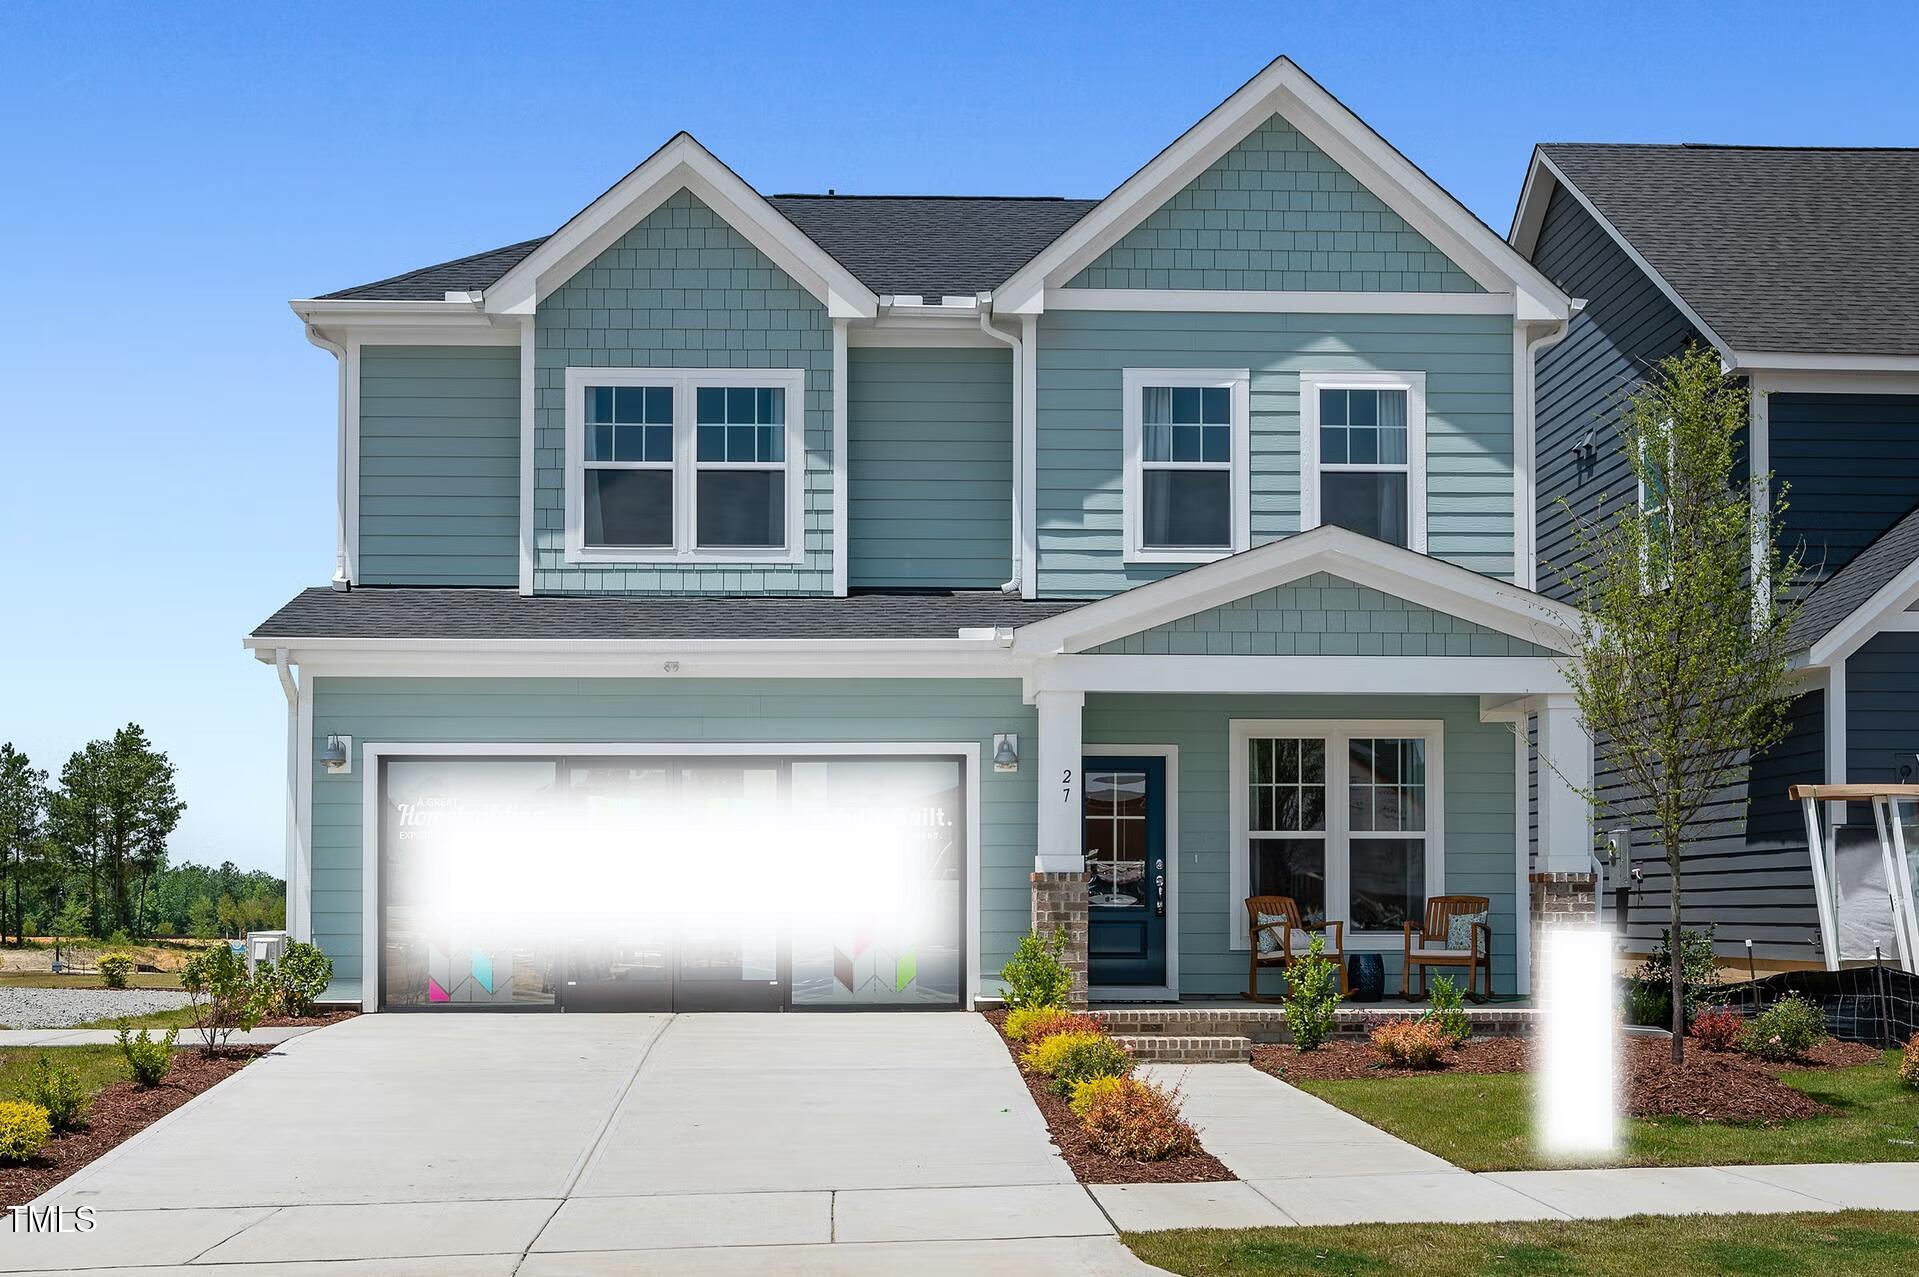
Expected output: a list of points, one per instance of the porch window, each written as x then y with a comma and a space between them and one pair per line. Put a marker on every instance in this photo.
1186, 455
1363, 454
1344, 818
677, 465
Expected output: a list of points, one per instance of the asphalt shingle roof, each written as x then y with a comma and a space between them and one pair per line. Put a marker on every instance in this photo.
1846, 590
913, 245
407, 613
1809, 250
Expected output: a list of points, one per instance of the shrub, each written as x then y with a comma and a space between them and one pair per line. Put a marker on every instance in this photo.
1648, 1004
1312, 995
114, 969
24, 1130
1092, 1089
149, 1061
1069, 1058
294, 983
1448, 1011
1410, 1044
1138, 1120
1032, 1022
1909, 1064
1698, 969
59, 1091
225, 995
1036, 977
1786, 1030
1064, 1022
1716, 1028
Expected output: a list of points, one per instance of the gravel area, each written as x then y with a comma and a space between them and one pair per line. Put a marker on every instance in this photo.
62, 1008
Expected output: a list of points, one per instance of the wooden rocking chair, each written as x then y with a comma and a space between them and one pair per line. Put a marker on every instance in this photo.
1427, 946
1289, 939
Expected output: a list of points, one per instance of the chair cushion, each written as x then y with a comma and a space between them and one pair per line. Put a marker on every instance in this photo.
1438, 952
1459, 930
1269, 935
1301, 941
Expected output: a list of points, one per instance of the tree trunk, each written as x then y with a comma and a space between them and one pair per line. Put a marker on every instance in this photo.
1676, 945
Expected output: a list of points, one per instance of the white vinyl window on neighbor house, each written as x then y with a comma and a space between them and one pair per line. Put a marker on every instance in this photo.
1363, 454
1187, 478
1346, 818
684, 465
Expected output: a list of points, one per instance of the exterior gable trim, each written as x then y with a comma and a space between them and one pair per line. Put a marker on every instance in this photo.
1889, 609
682, 164
1283, 89
1295, 303
1417, 578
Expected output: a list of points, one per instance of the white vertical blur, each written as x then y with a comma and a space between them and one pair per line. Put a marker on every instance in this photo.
1577, 1094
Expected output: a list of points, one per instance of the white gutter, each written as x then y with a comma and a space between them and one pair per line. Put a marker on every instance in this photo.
297, 887
341, 578
1018, 348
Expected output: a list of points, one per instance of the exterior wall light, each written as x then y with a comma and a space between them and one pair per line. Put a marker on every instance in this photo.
338, 755
1005, 752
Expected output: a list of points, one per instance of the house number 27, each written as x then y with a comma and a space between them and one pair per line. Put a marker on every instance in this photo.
1066, 786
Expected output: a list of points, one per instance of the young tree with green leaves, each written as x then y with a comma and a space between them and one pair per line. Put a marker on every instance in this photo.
1679, 668
111, 818
23, 845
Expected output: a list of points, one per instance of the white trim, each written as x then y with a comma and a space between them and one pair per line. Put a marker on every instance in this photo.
300, 896
1877, 613
1835, 741
374, 753
685, 466
1283, 89
681, 164
948, 332
1834, 382
1311, 382
1430, 582
352, 532
1786, 361
841, 523
1222, 301
1029, 456
1306, 675
768, 659
1170, 896
1337, 832
1238, 383
337, 348
405, 323
529, 423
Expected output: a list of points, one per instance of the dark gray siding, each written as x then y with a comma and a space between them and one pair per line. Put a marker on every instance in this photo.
1851, 470
1882, 711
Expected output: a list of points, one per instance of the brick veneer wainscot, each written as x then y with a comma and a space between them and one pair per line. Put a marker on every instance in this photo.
1059, 903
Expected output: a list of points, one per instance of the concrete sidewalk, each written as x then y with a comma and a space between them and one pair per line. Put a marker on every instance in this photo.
107, 1037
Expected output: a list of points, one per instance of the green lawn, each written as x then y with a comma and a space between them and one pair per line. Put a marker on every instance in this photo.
1856, 1243
98, 1065
178, 1018
1483, 1122
48, 980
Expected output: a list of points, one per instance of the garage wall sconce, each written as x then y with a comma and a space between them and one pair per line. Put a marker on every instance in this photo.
1005, 752
338, 755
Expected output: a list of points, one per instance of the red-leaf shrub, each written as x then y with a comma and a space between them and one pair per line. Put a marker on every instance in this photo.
1716, 1028
1139, 1120
1410, 1044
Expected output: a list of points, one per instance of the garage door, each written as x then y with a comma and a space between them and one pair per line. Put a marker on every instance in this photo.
672, 882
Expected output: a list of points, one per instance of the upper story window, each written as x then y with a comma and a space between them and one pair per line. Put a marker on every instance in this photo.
1363, 454
683, 465
1186, 479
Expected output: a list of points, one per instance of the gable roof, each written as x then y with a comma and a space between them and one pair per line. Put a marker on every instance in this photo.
1848, 605
1285, 90
1391, 569
1810, 250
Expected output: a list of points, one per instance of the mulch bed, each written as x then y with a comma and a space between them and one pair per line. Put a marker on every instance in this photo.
119, 1112
325, 1015
1090, 1165
1710, 1086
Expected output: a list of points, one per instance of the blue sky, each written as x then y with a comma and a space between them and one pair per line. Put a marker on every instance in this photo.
173, 174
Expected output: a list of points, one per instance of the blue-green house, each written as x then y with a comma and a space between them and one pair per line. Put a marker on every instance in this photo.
789, 601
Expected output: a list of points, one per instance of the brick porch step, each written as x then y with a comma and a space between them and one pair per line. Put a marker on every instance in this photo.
1267, 1023
1162, 1048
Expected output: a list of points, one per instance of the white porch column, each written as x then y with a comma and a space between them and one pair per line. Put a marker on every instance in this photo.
1565, 778
1059, 782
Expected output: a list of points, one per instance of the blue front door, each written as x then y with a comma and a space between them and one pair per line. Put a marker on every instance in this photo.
1123, 818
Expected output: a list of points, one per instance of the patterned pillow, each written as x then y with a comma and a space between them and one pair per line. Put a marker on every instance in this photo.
1459, 931
1269, 934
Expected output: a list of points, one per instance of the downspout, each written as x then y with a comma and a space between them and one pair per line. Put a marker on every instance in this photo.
986, 326
296, 855
341, 580
1534, 348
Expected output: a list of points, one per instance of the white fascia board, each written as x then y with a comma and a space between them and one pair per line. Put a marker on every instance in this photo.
1283, 89
915, 330
1530, 213
1887, 604
1417, 578
1832, 382
1761, 361
1298, 303
378, 323
1301, 675
681, 164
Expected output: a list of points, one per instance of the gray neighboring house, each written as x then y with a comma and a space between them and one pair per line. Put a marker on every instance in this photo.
1801, 267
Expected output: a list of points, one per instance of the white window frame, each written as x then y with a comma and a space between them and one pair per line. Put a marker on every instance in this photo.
1238, 382
1646, 584
686, 466
1338, 833
1311, 382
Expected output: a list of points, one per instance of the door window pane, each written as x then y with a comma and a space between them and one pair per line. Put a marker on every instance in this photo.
1372, 502
744, 508
1187, 508
629, 507
1115, 838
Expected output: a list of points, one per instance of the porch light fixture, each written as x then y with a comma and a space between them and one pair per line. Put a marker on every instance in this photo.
338, 755
1005, 752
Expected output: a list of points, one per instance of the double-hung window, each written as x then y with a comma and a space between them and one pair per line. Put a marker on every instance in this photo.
683, 465
1345, 818
1186, 464
1363, 454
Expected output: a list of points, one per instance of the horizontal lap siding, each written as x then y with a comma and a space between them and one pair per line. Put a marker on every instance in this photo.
439, 465
1479, 828
930, 468
1850, 470
532, 711
1082, 354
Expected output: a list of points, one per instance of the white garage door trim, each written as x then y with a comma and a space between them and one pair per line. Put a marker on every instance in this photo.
373, 754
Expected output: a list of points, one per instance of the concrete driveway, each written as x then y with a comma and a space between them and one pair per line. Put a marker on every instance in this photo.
547, 1145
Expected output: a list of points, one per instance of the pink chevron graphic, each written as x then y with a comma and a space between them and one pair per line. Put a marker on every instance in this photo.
434, 993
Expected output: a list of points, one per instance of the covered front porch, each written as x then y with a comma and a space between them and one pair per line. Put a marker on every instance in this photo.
1357, 729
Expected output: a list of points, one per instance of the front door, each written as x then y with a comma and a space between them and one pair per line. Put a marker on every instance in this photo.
1124, 841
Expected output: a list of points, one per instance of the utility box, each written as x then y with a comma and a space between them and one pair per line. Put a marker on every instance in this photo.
265, 946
